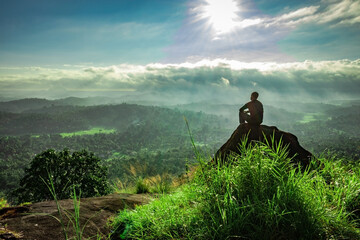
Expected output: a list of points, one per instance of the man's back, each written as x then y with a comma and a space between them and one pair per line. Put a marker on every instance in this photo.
256, 111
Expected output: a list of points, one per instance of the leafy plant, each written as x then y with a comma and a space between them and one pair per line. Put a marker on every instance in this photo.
81, 170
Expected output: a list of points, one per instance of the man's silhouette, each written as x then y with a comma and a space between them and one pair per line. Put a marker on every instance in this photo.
256, 111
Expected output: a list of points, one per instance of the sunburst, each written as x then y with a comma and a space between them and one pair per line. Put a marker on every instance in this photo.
222, 15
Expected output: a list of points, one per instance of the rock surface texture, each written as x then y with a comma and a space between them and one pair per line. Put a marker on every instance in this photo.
262, 133
35, 221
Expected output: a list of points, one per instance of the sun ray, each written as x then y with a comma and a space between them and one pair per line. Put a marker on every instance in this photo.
222, 15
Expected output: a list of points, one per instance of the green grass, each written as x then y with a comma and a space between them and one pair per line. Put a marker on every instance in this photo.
3, 203
91, 131
159, 184
310, 117
258, 195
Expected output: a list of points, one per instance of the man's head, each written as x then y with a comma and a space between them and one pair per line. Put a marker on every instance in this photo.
254, 96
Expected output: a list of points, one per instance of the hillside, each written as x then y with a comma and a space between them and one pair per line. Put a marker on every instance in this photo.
58, 119
21, 105
271, 200
153, 137
256, 194
152, 144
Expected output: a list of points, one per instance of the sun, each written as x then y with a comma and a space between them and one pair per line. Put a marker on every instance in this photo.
222, 15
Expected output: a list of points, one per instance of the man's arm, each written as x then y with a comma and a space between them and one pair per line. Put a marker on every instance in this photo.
243, 108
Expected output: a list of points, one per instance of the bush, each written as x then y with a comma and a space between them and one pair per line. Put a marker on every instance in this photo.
3, 203
161, 184
141, 186
80, 170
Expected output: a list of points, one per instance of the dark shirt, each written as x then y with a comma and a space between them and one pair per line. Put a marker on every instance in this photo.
256, 111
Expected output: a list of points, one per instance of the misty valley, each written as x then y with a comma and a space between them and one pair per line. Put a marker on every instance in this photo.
102, 147
155, 139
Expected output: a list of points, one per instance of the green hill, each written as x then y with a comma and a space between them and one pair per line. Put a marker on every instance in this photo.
258, 195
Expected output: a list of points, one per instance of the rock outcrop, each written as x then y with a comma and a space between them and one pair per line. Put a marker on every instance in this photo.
35, 221
262, 133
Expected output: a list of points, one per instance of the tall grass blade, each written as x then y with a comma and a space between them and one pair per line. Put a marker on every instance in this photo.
51, 188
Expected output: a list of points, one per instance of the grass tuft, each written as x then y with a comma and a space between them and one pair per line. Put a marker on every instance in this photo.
141, 186
258, 195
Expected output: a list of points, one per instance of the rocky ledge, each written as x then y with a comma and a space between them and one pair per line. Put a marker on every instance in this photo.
36, 221
264, 134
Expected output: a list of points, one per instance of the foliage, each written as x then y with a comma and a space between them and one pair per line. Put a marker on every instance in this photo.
162, 183
80, 169
3, 203
151, 136
141, 186
60, 119
155, 184
258, 195
339, 133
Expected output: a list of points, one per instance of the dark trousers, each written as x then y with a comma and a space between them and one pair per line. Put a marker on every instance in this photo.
244, 117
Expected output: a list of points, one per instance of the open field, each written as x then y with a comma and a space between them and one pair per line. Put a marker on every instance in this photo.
92, 131
309, 117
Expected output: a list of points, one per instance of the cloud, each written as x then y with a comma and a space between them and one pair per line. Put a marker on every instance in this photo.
344, 12
341, 13
187, 82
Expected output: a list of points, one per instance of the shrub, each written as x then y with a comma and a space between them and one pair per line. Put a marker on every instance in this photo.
161, 183
80, 170
3, 203
141, 186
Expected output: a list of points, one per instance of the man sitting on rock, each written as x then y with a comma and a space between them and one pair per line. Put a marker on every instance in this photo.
255, 108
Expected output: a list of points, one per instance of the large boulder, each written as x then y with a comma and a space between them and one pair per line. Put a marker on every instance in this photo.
264, 134
36, 221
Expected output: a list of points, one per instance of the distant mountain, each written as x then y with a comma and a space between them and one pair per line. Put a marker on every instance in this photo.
91, 101
346, 102
51, 119
18, 106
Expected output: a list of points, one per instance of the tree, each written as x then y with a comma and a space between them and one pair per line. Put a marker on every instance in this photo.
81, 170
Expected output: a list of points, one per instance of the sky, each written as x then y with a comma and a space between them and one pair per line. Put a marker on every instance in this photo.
180, 51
